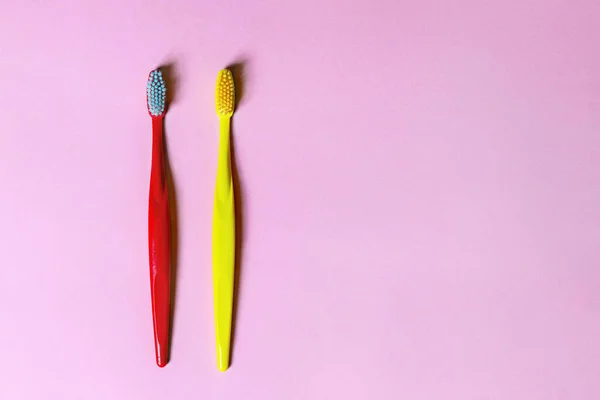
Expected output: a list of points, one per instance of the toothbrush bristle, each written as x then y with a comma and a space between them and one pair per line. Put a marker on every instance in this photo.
156, 93
225, 94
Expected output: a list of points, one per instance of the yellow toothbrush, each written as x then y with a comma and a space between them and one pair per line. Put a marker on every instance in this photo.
223, 234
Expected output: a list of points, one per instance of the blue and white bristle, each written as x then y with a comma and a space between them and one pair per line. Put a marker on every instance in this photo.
156, 93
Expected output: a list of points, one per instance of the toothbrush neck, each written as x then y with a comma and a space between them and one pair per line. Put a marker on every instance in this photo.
158, 151
224, 125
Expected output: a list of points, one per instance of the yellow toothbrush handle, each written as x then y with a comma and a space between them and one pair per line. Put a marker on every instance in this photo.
223, 247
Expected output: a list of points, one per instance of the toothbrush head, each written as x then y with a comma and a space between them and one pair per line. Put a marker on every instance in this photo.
156, 94
225, 94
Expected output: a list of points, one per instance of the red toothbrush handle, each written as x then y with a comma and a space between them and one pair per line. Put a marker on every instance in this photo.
159, 245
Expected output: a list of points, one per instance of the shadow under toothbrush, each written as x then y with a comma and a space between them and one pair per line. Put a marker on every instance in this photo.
168, 71
238, 70
174, 242
171, 77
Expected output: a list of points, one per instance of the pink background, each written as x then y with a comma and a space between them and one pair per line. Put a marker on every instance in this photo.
420, 185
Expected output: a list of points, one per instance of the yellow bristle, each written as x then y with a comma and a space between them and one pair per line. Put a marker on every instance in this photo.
225, 94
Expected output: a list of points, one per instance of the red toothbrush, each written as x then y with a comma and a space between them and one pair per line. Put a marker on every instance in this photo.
159, 222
